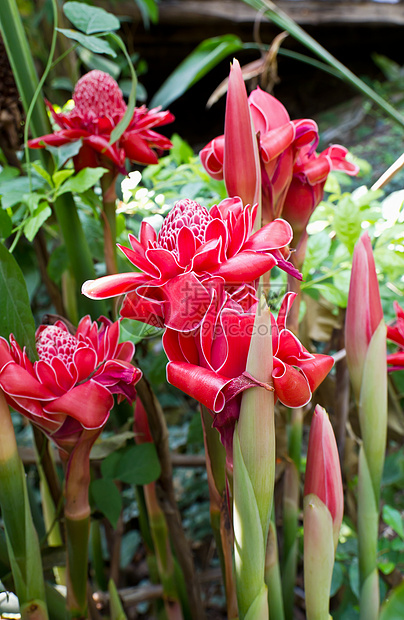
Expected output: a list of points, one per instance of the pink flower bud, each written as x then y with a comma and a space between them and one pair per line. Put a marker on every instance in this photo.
241, 165
323, 470
364, 310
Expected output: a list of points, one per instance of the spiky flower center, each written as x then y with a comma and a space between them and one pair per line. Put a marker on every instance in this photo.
97, 95
186, 213
53, 342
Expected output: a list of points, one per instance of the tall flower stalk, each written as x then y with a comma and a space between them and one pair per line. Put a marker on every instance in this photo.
253, 454
322, 514
365, 343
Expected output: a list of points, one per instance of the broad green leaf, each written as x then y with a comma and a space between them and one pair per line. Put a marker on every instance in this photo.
58, 263
90, 19
206, 56
82, 181
40, 215
62, 153
60, 176
6, 225
127, 117
394, 519
44, 173
15, 316
107, 446
135, 331
95, 61
107, 499
393, 608
92, 43
12, 190
348, 222
138, 465
318, 249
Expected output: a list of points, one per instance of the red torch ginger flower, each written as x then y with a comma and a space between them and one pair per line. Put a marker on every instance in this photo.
306, 190
69, 389
193, 246
99, 107
395, 333
280, 141
209, 363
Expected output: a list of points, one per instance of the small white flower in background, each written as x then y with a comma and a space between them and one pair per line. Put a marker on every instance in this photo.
137, 199
129, 184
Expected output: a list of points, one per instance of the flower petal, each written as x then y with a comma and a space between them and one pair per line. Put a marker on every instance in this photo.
89, 403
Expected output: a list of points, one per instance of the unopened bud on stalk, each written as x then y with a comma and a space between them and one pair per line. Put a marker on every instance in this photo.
323, 511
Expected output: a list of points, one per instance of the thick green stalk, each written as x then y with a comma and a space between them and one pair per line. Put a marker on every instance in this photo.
373, 423
77, 522
318, 557
281, 19
254, 474
273, 575
290, 546
368, 527
164, 557
22, 539
96, 555
219, 512
109, 220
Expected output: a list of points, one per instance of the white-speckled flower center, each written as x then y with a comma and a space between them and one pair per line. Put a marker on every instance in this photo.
55, 342
96, 95
184, 213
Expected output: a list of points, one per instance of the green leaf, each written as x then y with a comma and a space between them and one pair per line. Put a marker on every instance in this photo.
60, 176
107, 499
318, 249
127, 117
394, 519
12, 190
138, 465
40, 215
393, 608
58, 263
6, 225
15, 316
348, 222
149, 11
92, 43
337, 578
116, 609
82, 181
61, 154
44, 174
90, 19
206, 56
135, 331
105, 447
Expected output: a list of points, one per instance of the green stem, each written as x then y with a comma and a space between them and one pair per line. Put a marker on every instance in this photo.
22, 539
96, 553
290, 547
79, 253
219, 513
282, 20
77, 521
273, 575
109, 220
